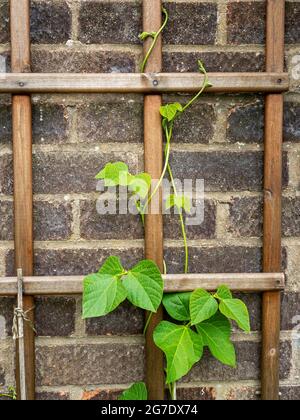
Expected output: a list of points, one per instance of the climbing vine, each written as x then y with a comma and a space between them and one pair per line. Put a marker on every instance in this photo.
201, 319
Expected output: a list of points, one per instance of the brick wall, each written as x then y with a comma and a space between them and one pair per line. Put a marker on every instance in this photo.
220, 139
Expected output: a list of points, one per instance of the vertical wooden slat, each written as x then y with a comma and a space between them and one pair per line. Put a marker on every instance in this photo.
272, 201
22, 153
153, 139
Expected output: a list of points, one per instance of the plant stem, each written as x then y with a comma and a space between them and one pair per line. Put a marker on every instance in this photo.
167, 157
182, 223
148, 323
172, 390
143, 66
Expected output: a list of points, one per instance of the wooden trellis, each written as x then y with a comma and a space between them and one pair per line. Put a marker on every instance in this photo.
274, 82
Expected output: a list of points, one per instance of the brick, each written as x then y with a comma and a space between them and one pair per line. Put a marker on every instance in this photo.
126, 320
101, 394
6, 220
111, 122
4, 22
66, 262
109, 23
108, 226
52, 396
223, 171
292, 34
227, 259
6, 175
242, 393
6, 316
215, 260
56, 173
214, 61
196, 394
246, 217
290, 393
206, 230
70, 61
193, 24
196, 125
82, 364
290, 310
49, 124
246, 22
5, 124
246, 123
55, 316
248, 364
292, 122
50, 22
52, 221
291, 216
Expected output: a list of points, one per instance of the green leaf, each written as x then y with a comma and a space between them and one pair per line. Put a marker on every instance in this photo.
144, 285
179, 201
215, 333
202, 306
140, 184
115, 174
178, 306
201, 67
102, 293
170, 111
137, 392
182, 347
236, 309
112, 266
224, 292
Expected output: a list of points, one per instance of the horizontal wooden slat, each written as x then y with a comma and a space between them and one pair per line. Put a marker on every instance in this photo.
173, 283
140, 83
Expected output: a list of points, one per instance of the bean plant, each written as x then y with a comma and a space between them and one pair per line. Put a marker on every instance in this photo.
199, 319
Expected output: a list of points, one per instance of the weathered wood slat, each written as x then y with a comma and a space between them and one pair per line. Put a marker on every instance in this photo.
22, 157
141, 83
73, 285
153, 157
272, 202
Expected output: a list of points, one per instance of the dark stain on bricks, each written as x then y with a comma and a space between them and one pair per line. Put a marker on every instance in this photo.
292, 122
292, 18
245, 123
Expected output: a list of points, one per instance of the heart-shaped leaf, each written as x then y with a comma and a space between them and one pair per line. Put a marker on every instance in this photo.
178, 201
170, 111
112, 266
115, 174
102, 294
144, 286
182, 347
215, 333
202, 306
236, 309
224, 292
178, 306
137, 392
140, 185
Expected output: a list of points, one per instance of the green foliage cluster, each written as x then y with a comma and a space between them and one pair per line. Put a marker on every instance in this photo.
200, 319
